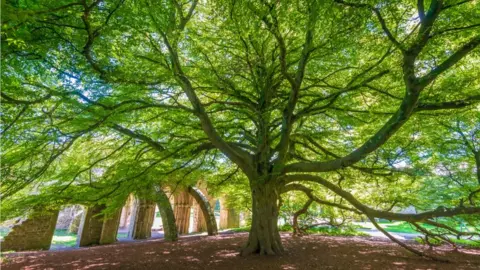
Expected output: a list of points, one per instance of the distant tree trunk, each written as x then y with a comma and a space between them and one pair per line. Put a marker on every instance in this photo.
297, 231
73, 228
264, 237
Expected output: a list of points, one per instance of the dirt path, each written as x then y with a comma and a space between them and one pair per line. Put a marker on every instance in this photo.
220, 252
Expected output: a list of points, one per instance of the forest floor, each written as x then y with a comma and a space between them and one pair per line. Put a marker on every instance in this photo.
221, 252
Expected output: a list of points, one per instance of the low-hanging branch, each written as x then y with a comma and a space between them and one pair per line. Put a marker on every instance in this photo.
439, 212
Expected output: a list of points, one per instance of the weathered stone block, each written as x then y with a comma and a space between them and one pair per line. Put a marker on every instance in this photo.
229, 218
142, 219
206, 210
182, 206
167, 215
90, 230
110, 228
35, 233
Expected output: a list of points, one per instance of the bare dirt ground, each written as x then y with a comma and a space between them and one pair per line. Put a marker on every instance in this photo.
220, 252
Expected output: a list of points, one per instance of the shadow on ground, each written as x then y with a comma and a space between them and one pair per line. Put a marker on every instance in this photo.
220, 252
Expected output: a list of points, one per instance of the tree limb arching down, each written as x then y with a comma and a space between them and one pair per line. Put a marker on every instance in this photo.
112, 96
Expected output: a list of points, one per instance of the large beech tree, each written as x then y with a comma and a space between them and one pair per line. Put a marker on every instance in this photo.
295, 95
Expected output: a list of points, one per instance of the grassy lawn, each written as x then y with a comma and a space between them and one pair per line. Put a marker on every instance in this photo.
122, 235
61, 238
459, 242
404, 227
3, 232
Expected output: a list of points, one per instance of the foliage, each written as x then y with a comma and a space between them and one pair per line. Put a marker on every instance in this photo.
460, 242
62, 239
363, 106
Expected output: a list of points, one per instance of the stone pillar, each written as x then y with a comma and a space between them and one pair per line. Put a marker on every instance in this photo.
233, 220
167, 215
110, 228
182, 205
207, 210
243, 218
201, 225
126, 212
198, 219
90, 230
141, 222
229, 218
34, 233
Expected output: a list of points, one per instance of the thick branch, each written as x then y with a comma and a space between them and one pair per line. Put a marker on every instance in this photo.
157, 146
309, 193
420, 217
238, 156
393, 124
450, 61
457, 104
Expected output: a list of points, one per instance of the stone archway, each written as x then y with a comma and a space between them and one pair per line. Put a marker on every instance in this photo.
141, 220
97, 228
166, 213
182, 206
143, 215
207, 210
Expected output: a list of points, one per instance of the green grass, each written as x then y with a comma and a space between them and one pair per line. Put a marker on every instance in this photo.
3, 232
62, 238
122, 235
466, 242
404, 227
334, 231
460, 242
241, 229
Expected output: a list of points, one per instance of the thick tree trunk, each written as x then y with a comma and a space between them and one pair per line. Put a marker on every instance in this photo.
264, 237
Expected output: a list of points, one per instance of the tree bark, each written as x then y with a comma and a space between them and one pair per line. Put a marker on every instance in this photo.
264, 237
297, 231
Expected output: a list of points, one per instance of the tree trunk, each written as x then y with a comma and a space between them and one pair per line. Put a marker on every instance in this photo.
264, 237
297, 231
